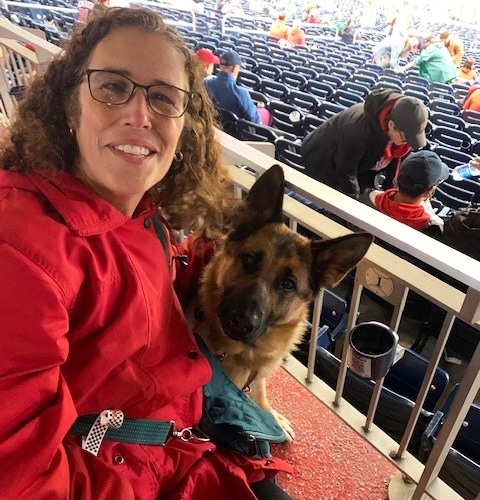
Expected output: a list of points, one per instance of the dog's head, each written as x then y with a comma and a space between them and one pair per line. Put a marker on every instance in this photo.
266, 275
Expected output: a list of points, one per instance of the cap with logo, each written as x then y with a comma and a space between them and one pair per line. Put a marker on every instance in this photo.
230, 58
423, 168
410, 116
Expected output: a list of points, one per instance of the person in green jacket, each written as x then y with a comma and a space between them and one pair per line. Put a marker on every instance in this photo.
434, 63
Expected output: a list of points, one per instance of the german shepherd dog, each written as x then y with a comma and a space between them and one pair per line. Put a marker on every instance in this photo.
255, 293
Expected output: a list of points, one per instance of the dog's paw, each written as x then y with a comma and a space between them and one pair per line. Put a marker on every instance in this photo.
285, 424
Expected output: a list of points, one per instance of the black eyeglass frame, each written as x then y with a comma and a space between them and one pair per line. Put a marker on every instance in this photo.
136, 85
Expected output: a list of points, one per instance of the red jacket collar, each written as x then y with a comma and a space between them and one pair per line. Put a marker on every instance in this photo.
84, 212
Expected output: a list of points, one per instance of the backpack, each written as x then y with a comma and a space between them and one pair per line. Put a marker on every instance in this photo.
462, 231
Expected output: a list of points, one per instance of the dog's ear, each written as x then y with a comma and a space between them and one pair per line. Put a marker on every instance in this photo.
262, 205
332, 259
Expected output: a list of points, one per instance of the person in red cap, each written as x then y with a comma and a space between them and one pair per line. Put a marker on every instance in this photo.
348, 150
208, 58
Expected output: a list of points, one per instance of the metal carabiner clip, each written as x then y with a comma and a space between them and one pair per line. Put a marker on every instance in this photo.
189, 434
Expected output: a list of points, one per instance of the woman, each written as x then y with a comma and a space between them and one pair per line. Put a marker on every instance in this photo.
118, 126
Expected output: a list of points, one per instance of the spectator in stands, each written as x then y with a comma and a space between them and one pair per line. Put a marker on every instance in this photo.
208, 58
279, 28
467, 72
348, 31
295, 34
85, 8
225, 92
472, 99
409, 202
349, 149
434, 62
111, 142
388, 51
454, 46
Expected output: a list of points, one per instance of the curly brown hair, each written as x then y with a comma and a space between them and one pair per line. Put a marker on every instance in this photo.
196, 190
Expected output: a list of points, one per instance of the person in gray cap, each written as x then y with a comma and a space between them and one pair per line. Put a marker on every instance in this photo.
224, 91
348, 150
419, 175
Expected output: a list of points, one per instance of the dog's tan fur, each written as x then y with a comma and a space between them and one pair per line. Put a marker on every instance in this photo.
274, 273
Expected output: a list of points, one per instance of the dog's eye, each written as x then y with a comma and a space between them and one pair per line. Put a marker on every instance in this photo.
249, 261
289, 285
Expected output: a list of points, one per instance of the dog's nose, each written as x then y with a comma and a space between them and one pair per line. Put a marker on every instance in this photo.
241, 323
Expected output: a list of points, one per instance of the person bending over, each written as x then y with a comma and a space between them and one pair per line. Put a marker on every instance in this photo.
349, 149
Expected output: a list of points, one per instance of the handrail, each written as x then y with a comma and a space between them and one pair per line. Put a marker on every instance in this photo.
406, 276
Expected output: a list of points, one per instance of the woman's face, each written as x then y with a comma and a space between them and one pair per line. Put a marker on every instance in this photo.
126, 149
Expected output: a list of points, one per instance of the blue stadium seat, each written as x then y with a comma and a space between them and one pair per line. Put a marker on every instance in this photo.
274, 90
306, 101
393, 410
345, 98
405, 377
293, 79
461, 469
286, 117
250, 131
451, 156
249, 79
445, 107
470, 116
454, 138
322, 90
288, 152
439, 118
268, 70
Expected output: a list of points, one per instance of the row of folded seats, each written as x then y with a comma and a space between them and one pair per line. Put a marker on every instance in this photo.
401, 387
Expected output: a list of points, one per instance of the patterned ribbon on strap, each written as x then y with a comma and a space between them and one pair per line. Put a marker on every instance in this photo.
105, 420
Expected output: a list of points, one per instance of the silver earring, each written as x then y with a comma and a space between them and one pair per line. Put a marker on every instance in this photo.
72, 132
178, 156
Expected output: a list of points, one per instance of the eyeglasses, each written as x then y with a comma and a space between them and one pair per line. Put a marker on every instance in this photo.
115, 89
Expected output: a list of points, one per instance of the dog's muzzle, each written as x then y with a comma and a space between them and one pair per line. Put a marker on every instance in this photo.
242, 313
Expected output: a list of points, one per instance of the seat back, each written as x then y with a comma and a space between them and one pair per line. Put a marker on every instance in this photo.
277, 91
250, 131
445, 107
249, 79
451, 137
286, 118
288, 152
393, 410
447, 119
322, 90
346, 98
266, 70
229, 121
451, 156
307, 102
293, 79
471, 116
461, 469
406, 376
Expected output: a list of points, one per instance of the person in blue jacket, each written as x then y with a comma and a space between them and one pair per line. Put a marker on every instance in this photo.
226, 93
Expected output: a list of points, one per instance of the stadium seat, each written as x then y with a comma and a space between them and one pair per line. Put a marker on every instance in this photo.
393, 410
419, 95
310, 123
328, 109
322, 90
439, 118
454, 138
288, 152
229, 121
332, 80
283, 65
306, 101
293, 79
445, 107
307, 72
249, 79
355, 88
461, 469
450, 201
405, 377
268, 70
250, 131
345, 98
319, 66
287, 118
451, 156
470, 116
274, 90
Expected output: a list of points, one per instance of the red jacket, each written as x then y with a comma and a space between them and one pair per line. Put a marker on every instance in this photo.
90, 321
